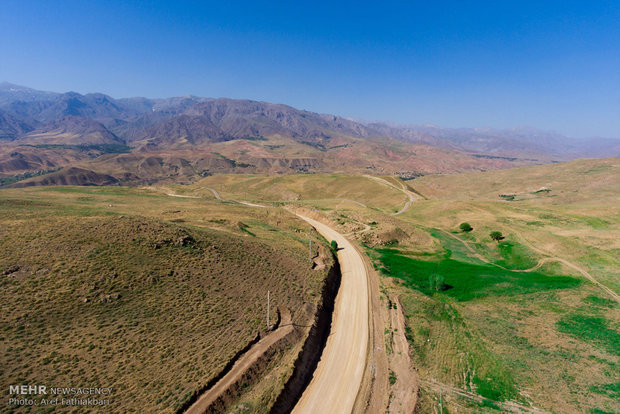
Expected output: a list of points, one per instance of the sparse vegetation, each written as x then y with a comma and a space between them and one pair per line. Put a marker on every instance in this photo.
101, 287
392, 378
535, 343
592, 329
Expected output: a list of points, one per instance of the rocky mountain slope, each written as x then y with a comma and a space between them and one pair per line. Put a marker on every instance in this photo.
250, 136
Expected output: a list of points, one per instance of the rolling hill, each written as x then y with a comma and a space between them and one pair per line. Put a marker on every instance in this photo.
71, 130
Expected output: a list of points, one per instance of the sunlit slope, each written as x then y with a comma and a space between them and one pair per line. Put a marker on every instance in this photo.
587, 180
142, 292
355, 190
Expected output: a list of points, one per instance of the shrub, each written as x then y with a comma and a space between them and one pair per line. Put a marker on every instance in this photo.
334, 246
496, 235
466, 227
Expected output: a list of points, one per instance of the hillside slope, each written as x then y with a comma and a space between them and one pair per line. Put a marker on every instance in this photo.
119, 288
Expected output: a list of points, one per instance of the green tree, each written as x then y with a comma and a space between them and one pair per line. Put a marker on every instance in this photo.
496, 235
437, 282
334, 245
466, 227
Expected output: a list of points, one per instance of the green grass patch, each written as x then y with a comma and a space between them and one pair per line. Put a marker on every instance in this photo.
441, 330
244, 228
611, 390
596, 223
515, 255
466, 281
591, 329
454, 248
599, 411
498, 385
599, 302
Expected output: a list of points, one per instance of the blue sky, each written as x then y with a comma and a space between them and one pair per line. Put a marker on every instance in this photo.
548, 64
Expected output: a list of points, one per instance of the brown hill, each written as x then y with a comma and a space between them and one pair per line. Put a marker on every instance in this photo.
278, 155
71, 130
21, 159
185, 131
127, 293
68, 176
229, 135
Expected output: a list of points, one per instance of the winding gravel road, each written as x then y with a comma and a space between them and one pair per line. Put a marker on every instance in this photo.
337, 379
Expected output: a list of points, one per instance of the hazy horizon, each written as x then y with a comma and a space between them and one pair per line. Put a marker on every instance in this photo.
551, 66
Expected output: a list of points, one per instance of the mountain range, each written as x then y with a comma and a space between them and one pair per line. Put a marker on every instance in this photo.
182, 138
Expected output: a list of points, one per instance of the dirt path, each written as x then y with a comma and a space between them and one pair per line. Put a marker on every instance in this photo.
366, 228
247, 203
585, 274
241, 366
337, 379
412, 196
215, 193
335, 199
405, 389
506, 407
180, 195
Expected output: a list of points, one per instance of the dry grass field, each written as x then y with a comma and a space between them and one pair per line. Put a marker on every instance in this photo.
140, 291
350, 191
525, 321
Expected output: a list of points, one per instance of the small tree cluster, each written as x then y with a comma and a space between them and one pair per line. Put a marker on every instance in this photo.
466, 227
437, 282
496, 235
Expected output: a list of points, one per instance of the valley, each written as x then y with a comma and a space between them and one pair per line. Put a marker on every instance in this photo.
512, 325
433, 268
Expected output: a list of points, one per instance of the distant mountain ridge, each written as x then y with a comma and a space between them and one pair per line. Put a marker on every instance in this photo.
53, 130
190, 121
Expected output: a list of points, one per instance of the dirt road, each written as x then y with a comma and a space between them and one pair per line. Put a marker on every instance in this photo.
337, 379
215, 193
412, 196
405, 389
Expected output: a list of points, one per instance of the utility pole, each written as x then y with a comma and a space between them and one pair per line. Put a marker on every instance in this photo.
440, 403
309, 247
267, 310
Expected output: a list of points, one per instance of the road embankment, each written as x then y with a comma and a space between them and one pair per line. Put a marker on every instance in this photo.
312, 349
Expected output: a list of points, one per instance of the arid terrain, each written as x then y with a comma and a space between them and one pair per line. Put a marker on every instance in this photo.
251, 207
143, 292
526, 323
470, 270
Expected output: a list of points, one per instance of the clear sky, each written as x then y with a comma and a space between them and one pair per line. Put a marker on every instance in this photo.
502, 63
